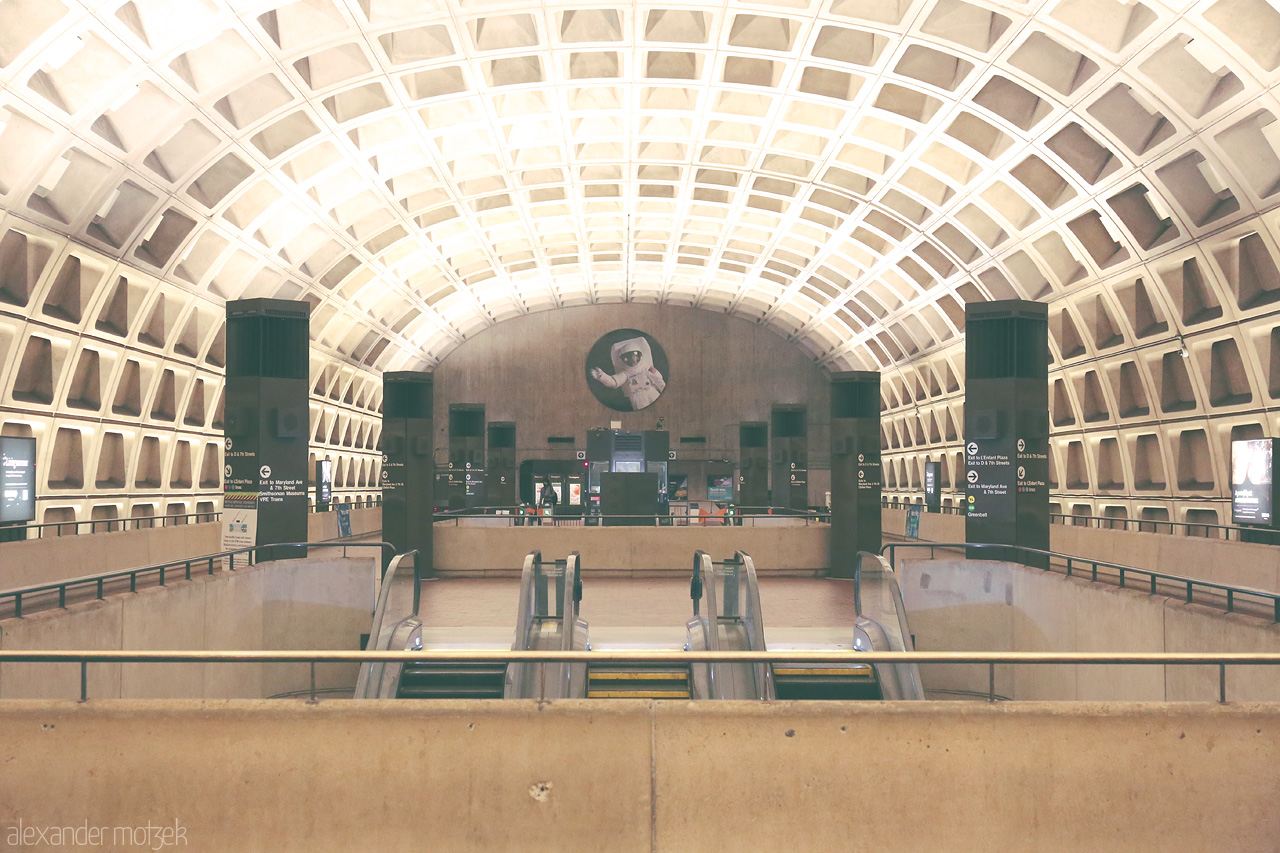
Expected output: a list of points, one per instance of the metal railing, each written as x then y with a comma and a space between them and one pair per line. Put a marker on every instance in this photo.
54, 529
99, 582
891, 503
358, 503
1079, 565
495, 517
1150, 525
1200, 529
83, 658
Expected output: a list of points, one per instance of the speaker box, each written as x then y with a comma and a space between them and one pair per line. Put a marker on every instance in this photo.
985, 424
289, 422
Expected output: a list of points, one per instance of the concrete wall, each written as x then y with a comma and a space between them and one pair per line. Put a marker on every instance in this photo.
958, 605
323, 526
59, 558
290, 604
631, 775
1217, 560
501, 550
724, 370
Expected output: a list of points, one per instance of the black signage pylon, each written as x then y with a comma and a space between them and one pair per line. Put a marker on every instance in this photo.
266, 424
855, 468
408, 464
1006, 427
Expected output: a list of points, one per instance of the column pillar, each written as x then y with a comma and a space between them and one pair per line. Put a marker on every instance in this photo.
1006, 426
408, 464
855, 468
266, 424
753, 464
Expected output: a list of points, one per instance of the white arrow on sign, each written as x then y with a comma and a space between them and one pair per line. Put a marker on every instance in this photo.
972, 448
973, 476
265, 472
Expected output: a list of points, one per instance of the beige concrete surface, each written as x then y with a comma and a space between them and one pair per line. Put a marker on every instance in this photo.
49, 560
59, 558
471, 550
957, 605
323, 526
1235, 563
634, 775
289, 604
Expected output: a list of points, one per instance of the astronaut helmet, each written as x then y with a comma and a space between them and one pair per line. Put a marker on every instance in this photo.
631, 354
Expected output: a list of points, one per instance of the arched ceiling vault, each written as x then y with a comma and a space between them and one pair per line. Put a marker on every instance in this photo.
849, 173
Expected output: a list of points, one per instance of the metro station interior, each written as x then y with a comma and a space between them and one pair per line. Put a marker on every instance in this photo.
850, 392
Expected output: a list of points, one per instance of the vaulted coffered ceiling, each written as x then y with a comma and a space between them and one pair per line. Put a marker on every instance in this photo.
848, 173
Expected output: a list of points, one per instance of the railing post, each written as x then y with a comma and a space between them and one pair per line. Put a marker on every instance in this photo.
17, 606
1222, 683
1189, 586
1095, 572
62, 596
162, 576
1230, 596
313, 682
99, 589
991, 681
188, 570
133, 581
84, 680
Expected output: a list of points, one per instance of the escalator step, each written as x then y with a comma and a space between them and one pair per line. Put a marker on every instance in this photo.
861, 670
638, 683
442, 681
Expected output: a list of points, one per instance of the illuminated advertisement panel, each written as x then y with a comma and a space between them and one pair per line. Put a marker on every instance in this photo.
17, 479
1252, 481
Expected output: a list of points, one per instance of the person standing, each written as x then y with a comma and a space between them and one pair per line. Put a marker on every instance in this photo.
547, 499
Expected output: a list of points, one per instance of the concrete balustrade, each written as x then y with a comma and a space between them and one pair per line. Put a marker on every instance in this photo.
636, 775
463, 550
1217, 560
60, 558
979, 605
317, 603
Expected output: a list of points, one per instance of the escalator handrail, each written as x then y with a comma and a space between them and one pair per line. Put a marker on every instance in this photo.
704, 568
753, 621
380, 615
908, 675
529, 577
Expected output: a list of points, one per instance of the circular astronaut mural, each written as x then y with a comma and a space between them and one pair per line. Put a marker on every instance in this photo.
627, 370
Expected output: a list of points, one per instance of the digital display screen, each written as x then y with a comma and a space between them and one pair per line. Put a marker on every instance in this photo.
932, 493
1252, 476
17, 479
720, 487
324, 482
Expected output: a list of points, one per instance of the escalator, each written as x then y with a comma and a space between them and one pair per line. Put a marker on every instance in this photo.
548, 620
727, 617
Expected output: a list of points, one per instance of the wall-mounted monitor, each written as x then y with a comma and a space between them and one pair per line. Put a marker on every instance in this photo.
1253, 482
17, 479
